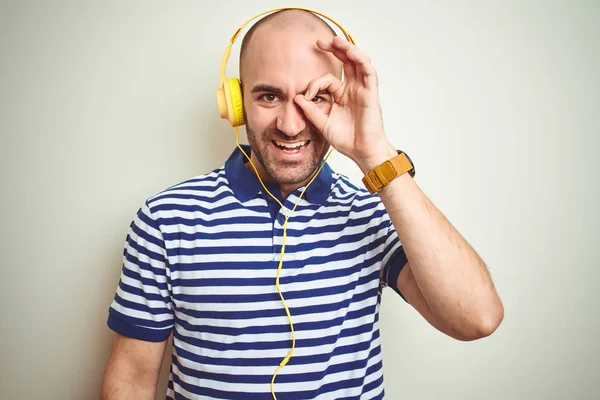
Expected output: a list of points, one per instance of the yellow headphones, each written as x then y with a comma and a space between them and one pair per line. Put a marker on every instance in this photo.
231, 108
229, 94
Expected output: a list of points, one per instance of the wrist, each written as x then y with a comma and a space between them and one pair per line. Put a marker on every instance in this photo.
367, 164
381, 170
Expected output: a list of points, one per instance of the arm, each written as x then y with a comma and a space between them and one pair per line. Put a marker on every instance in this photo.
133, 369
445, 280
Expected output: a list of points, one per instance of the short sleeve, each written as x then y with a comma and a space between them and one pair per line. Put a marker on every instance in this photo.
142, 306
394, 258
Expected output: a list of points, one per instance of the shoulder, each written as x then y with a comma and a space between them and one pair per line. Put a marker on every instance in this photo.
202, 192
346, 191
206, 187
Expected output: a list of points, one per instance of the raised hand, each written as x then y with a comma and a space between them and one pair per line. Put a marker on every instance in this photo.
353, 125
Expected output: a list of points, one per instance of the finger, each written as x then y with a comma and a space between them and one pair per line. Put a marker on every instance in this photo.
339, 43
364, 68
349, 66
313, 113
326, 82
328, 46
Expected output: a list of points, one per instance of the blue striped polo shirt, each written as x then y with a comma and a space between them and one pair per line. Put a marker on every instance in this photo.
200, 262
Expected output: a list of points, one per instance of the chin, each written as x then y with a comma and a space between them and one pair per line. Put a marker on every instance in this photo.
286, 175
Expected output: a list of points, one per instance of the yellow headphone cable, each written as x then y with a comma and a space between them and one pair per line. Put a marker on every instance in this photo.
230, 103
287, 216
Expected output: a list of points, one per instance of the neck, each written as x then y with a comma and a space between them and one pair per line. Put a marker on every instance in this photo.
286, 188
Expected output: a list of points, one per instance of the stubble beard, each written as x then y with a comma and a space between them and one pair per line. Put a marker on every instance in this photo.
285, 171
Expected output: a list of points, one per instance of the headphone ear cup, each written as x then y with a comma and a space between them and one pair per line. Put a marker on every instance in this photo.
235, 102
230, 102
222, 102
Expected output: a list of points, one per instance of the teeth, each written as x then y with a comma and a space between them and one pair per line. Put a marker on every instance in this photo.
294, 146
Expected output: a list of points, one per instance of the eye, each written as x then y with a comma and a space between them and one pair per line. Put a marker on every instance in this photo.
322, 97
268, 98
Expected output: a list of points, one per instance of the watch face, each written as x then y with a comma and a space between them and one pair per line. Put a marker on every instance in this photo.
412, 171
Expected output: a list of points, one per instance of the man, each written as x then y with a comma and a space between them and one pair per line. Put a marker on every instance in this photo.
201, 257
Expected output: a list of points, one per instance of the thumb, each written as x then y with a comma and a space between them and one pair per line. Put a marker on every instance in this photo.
317, 117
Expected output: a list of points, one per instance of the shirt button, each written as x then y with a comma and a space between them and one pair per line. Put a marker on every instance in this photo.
281, 219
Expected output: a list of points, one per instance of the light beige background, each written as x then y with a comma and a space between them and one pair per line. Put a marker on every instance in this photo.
498, 103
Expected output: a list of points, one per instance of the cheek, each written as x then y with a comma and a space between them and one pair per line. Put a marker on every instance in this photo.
259, 118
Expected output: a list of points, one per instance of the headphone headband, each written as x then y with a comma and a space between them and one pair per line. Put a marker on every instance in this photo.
237, 32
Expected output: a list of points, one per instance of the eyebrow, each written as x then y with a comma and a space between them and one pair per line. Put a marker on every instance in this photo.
267, 88
277, 91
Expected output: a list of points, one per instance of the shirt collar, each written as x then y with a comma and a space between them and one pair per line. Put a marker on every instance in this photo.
245, 184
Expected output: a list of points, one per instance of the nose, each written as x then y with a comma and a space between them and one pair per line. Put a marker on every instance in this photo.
292, 120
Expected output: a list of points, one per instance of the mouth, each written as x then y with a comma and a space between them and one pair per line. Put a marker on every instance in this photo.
291, 147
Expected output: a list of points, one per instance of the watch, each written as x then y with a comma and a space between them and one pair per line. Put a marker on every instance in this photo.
384, 173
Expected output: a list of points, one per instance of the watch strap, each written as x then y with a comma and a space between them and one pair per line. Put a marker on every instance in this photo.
384, 173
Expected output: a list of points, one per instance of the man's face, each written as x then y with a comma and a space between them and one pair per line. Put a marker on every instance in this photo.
278, 66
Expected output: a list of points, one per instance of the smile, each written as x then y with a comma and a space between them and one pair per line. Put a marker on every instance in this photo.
291, 147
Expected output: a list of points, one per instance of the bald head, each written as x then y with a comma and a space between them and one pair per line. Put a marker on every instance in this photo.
276, 23
278, 61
